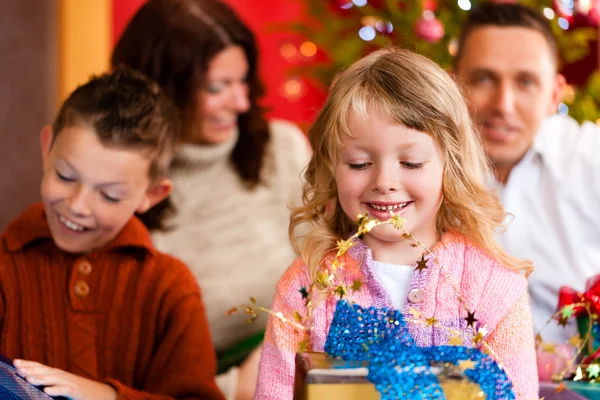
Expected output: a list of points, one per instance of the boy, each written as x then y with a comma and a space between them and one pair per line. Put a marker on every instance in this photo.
84, 295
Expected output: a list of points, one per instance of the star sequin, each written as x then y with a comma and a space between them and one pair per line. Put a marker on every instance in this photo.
397, 221
548, 347
304, 293
341, 291
593, 370
356, 285
562, 321
575, 341
421, 264
470, 318
466, 364
567, 311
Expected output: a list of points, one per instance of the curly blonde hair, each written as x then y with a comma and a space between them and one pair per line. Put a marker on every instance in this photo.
411, 90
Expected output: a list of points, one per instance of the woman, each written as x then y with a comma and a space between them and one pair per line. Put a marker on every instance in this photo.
236, 174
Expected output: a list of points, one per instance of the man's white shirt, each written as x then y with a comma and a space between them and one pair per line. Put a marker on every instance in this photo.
553, 194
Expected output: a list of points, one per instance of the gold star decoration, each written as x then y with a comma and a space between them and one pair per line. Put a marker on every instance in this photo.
562, 321
324, 279
466, 364
341, 291
548, 347
575, 340
593, 370
414, 313
470, 318
478, 337
455, 340
431, 321
356, 285
421, 264
343, 246
303, 346
397, 221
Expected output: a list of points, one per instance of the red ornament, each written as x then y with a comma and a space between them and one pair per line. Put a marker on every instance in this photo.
430, 5
429, 28
588, 13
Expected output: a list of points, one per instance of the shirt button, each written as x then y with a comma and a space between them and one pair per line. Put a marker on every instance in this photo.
416, 295
85, 267
81, 289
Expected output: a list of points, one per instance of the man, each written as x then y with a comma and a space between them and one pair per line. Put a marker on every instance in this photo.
546, 167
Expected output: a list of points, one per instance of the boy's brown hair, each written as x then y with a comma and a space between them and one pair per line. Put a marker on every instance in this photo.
126, 110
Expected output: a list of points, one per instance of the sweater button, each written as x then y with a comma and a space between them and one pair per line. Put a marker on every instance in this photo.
81, 289
84, 267
416, 295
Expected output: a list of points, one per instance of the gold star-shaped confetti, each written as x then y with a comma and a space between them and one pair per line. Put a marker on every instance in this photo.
336, 264
548, 347
356, 285
297, 317
575, 340
593, 370
478, 337
455, 340
466, 364
562, 321
397, 221
414, 313
567, 311
343, 246
324, 279
470, 318
431, 321
421, 264
232, 311
340, 291
303, 346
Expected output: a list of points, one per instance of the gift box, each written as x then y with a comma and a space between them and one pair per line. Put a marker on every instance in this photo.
569, 390
319, 376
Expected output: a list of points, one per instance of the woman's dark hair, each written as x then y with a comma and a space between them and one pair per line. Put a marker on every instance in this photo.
173, 42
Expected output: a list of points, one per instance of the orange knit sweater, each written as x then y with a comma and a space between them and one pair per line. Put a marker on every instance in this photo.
125, 314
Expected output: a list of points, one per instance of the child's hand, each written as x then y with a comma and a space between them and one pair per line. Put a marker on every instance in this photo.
61, 383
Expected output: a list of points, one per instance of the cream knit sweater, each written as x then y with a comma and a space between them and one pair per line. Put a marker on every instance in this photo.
233, 239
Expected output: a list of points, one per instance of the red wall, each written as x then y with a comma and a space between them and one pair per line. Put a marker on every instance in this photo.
273, 66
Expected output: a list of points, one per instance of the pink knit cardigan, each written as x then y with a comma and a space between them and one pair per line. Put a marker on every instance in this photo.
496, 294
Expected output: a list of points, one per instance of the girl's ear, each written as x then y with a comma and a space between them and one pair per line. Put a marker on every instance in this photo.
46, 137
155, 194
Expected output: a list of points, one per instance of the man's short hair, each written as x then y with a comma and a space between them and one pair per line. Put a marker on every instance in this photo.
506, 15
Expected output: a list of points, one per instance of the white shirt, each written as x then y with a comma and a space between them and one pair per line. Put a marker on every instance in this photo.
554, 196
395, 279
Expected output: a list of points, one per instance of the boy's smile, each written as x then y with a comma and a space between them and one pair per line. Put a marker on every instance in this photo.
89, 190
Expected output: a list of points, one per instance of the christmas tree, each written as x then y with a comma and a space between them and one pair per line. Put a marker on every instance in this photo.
341, 31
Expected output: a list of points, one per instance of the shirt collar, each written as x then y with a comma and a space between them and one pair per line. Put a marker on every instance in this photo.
32, 226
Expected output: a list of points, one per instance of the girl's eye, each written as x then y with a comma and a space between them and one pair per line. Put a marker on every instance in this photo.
110, 199
64, 178
412, 165
359, 166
